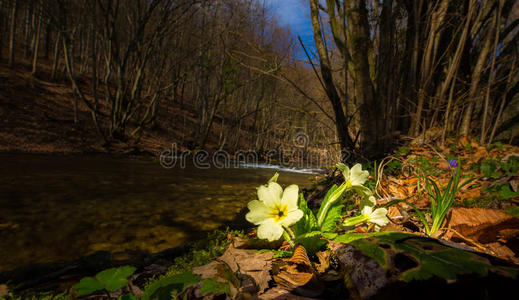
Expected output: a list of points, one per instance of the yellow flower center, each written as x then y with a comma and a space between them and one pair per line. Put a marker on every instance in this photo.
279, 212
348, 184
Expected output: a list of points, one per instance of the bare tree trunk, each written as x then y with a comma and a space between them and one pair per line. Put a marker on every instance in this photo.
503, 102
359, 41
28, 28
492, 74
474, 82
55, 61
36, 41
12, 33
345, 141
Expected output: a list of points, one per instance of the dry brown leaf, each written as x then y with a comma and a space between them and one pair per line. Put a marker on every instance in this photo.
296, 274
397, 191
502, 251
277, 293
250, 262
481, 224
464, 141
4, 291
469, 194
444, 165
324, 261
394, 213
243, 262
481, 153
409, 181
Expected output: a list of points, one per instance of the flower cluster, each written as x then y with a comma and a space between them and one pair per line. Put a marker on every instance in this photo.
354, 179
277, 209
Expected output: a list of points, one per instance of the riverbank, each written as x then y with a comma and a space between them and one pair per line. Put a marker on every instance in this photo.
37, 116
483, 224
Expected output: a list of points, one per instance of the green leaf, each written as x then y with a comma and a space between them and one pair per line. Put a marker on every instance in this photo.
87, 286
278, 253
431, 257
162, 288
211, 285
127, 297
115, 278
326, 197
514, 211
329, 235
487, 168
308, 222
506, 192
332, 217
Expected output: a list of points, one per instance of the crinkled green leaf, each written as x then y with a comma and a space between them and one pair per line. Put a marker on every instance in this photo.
162, 288
432, 258
308, 222
115, 278
329, 235
211, 285
332, 217
326, 198
311, 241
87, 286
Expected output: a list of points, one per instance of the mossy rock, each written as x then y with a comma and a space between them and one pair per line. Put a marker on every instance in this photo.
401, 265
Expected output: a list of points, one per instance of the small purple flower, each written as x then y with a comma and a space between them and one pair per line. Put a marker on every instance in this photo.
453, 163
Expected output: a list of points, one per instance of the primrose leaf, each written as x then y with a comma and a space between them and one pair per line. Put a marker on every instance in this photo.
115, 278
308, 222
311, 241
332, 217
87, 286
326, 198
428, 257
162, 288
211, 285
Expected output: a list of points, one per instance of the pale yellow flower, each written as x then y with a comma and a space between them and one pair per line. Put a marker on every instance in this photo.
354, 179
274, 210
377, 216
368, 215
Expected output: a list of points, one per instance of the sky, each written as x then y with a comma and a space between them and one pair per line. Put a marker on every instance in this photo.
296, 15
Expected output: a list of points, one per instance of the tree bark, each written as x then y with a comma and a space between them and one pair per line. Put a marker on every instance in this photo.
346, 143
12, 33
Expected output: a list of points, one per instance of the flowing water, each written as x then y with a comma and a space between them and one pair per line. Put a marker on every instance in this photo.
61, 208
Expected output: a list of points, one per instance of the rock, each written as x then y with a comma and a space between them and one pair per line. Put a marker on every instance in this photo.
395, 265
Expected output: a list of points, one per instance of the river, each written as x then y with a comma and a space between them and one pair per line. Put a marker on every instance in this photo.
55, 208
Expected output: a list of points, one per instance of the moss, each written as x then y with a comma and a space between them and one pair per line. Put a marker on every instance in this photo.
201, 253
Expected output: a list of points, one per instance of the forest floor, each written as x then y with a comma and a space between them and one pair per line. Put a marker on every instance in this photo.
480, 231
37, 116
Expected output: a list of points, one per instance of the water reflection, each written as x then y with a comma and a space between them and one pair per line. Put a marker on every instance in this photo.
57, 208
